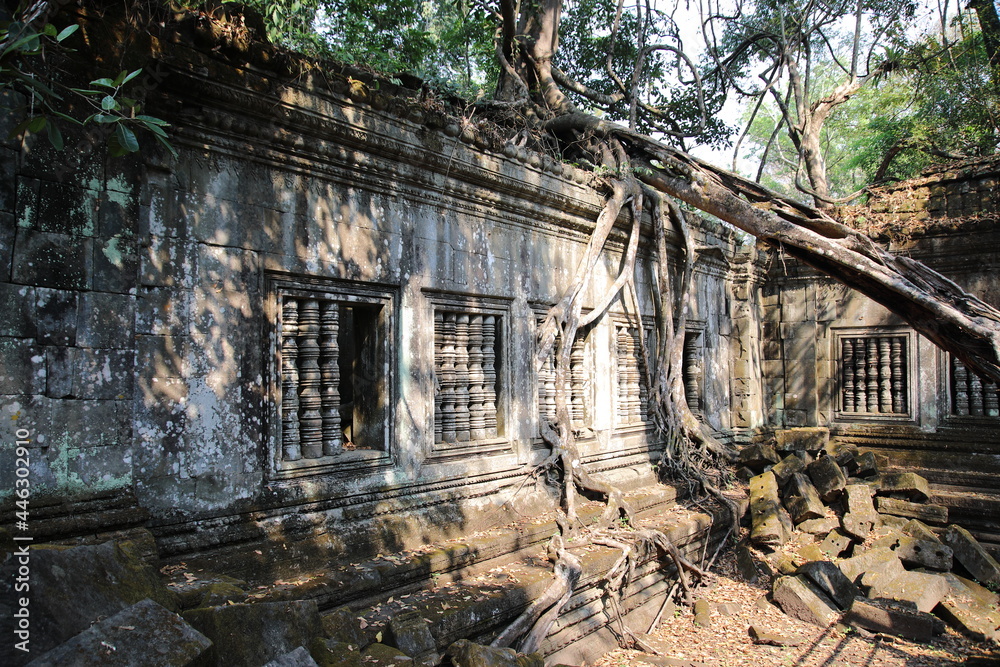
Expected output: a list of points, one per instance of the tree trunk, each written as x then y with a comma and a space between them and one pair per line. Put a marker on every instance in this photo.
989, 23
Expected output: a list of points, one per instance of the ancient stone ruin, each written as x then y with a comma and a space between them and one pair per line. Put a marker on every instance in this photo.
275, 398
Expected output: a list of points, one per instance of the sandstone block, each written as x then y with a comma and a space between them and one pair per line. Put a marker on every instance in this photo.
702, 613
818, 526
804, 438
858, 499
383, 655
411, 634
831, 581
802, 499
969, 611
300, 657
828, 478
923, 589
465, 653
843, 453
762, 636
933, 514
920, 553
758, 456
144, 633
245, 634
871, 561
908, 484
918, 529
342, 625
836, 543
746, 564
863, 465
799, 599
893, 618
787, 467
768, 525
972, 556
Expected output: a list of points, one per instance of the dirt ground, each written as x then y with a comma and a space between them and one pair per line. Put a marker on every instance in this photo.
737, 605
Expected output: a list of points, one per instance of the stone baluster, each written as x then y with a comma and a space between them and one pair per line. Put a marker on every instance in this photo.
477, 392
692, 373
490, 324
898, 363
578, 380
329, 366
547, 388
448, 379
991, 401
872, 374
847, 359
462, 433
885, 374
961, 387
310, 400
622, 350
438, 373
975, 395
291, 447
860, 383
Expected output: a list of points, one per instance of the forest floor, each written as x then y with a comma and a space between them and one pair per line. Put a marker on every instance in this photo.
737, 605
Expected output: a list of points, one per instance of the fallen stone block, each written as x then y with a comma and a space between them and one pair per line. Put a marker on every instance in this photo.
342, 625
969, 611
923, 589
893, 618
71, 587
300, 657
805, 438
811, 552
858, 526
863, 465
745, 474
908, 484
819, 526
799, 599
768, 525
333, 653
857, 499
411, 634
762, 636
702, 613
247, 634
383, 655
827, 477
933, 514
920, 553
746, 564
890, 570
842, 452
802, 499
144, 633
787, 467
831, 581
920, 530
465, 653
757, 457
871, 561
971, 555
836, 543
890, 522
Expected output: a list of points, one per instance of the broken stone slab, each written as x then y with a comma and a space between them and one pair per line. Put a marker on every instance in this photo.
757, 457
890, 522
762, 636
811, 552
247, 634
300, 657
702, 613
920, 530
890, 570
71, 587
411, 634
827, 477
971, 555
746, 564
468, 654
800, 599
923, 589
926, 512
787, 467
836, 543
908, 484
858, 526
863, 465
968, 610
857, 499
333, 653
342, 625
768, 525
842, 452
920, 553
818, 526
383, 655
871, 561
802, 499
805, 438
831, 581
144, 633
892, 617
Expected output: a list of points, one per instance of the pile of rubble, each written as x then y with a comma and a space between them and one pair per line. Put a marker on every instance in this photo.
870, 551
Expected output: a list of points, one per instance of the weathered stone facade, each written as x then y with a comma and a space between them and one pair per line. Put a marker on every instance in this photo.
315, 328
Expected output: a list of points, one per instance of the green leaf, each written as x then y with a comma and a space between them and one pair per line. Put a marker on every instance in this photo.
107, 83
115, 149
55, 136
131, 76
109, 103
104, 118
167, 145
19, 129
155, 129
67, 31
49, 30
120, 79
152, 119
67, 118
126, 138
37, 124
127, 102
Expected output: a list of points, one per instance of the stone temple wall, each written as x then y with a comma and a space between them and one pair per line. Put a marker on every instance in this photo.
314, 328
832, 357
